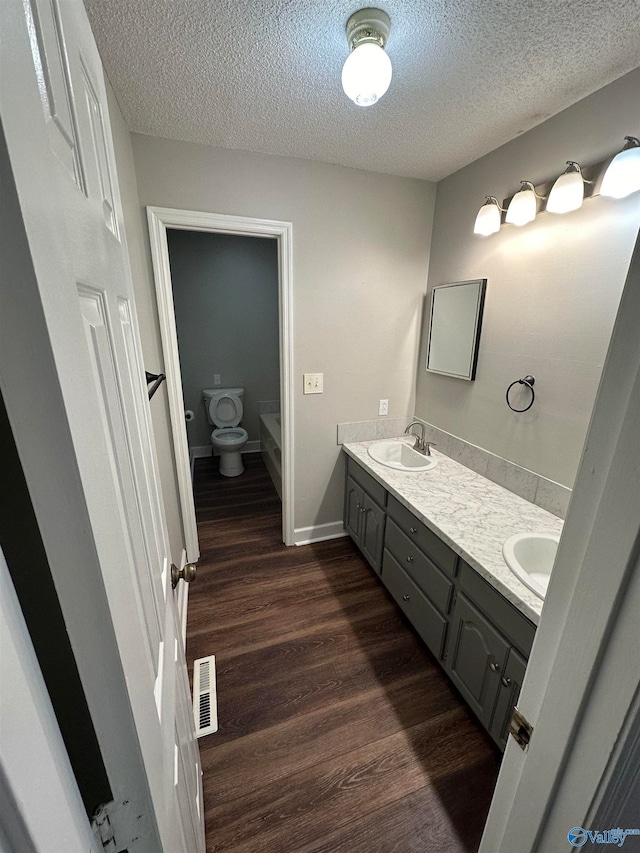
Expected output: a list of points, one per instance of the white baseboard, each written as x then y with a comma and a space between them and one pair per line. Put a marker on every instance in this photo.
318, 533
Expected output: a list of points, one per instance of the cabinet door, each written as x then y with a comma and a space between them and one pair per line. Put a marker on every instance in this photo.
476, 655
352, 509
510, 684
372, 531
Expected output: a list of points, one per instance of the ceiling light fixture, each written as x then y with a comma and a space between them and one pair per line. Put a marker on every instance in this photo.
489, 217
366, 74
567, 193
523, 206
623, 173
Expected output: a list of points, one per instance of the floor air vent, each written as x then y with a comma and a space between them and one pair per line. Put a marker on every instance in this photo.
205, 703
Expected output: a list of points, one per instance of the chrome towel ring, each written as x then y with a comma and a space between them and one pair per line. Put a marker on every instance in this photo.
529, 381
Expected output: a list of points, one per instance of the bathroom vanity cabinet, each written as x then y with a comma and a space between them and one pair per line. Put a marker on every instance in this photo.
365, 514
479, 637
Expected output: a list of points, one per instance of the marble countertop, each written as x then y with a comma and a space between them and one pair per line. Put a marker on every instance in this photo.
471, 514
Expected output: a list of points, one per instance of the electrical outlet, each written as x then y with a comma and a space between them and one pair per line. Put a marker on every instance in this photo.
216, 379
383, 407
313, 383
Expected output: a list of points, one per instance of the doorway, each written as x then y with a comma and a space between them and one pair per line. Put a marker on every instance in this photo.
225, 290
160, 220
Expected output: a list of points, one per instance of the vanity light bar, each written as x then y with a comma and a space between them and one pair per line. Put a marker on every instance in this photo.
595, 177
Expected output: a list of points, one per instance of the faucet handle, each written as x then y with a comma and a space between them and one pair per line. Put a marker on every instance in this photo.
428, 445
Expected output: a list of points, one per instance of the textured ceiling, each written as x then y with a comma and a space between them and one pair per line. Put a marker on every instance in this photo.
264, 75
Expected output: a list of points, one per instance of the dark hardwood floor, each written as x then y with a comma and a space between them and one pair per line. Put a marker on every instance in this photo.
338, 729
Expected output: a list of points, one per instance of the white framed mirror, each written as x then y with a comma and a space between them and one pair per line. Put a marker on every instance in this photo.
455, 319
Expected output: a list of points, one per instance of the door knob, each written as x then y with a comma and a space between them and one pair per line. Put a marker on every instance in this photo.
187, 574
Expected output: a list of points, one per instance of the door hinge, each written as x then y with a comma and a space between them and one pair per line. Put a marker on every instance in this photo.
102, 828
520, 728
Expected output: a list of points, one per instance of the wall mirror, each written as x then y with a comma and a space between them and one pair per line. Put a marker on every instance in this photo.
454, 328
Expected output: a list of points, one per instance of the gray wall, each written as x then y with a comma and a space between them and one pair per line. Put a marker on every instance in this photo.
552, 294
225, 293
360, 258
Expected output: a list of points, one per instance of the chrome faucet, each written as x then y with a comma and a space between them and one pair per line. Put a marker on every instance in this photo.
421, 445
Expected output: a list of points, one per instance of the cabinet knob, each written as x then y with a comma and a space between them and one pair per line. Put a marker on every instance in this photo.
494, 667
359, 506
409, 559
505, 681
405, 598
413, 530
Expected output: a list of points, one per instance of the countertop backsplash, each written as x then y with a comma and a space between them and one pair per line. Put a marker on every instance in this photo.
526, 484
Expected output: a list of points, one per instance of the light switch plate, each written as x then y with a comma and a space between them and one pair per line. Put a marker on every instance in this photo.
313, 383
216, 379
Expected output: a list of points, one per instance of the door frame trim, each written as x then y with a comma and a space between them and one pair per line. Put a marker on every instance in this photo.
160, 219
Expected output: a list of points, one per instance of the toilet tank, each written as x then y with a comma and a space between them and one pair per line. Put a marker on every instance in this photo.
209, 394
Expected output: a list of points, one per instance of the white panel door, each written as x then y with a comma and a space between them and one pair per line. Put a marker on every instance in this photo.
55, 119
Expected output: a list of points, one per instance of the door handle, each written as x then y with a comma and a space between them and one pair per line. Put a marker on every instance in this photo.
187, 574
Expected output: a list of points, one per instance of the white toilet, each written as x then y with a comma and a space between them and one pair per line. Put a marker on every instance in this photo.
224, 410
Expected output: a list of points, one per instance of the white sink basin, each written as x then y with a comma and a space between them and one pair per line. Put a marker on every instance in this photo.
401, 456
530, 556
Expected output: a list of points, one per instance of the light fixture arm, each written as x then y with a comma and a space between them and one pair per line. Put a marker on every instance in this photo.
529, 185
632, 142
494, 200
576, 167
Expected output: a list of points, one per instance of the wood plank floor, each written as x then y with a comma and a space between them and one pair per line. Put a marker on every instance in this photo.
338, 729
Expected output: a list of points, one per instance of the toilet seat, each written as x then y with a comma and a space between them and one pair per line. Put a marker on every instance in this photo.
226, 411
229, 436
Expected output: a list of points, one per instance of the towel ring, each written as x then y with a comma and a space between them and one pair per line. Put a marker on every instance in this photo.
529, 381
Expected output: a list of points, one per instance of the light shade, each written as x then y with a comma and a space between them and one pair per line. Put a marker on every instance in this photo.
623, 174
366, 74
568, 191
523, 206
489, 218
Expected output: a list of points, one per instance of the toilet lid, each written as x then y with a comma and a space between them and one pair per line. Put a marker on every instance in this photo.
226, 411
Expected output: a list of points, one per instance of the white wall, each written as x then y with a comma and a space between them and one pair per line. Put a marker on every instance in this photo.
553, 288
360, 256
225, 293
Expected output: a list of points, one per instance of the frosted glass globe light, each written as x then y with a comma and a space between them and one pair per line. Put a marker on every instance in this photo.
623, 174
366, 74
488, 219
523, 206
568, 191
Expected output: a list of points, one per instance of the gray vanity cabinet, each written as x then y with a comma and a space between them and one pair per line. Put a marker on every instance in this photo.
487, 649
365, 514
476, 656
480, 638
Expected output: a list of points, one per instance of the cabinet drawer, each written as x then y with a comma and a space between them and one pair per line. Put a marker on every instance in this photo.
426, 539
373, 487
429, 624
508, 619
419, 567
